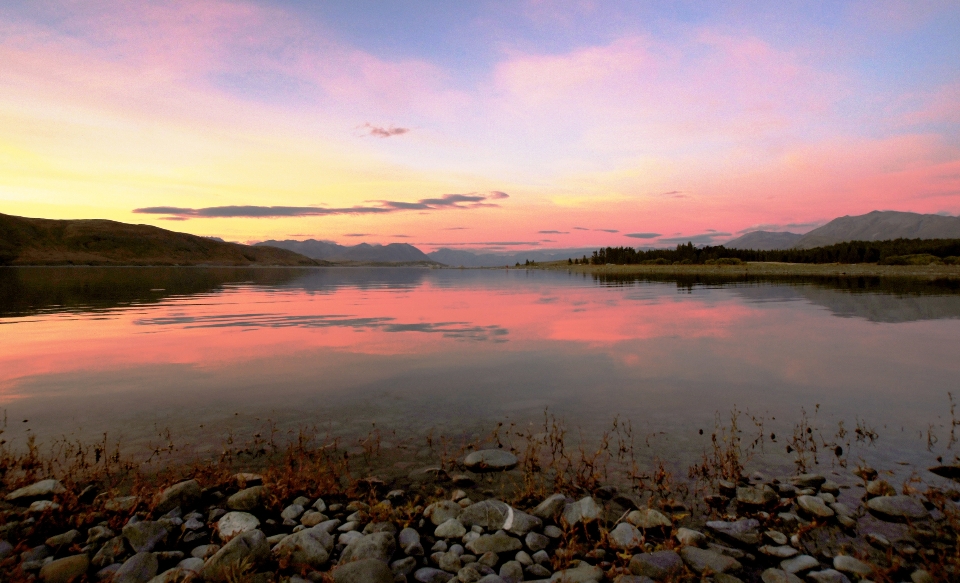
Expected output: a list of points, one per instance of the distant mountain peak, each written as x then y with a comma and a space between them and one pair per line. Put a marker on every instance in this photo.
881, 226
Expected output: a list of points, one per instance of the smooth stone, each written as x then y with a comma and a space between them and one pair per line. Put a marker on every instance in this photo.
582, 573
185, 494
440, 512
776, 536
65, 570
491, 579
139, 568
511, 571
658, 565
779, 576
66, 538
363, 571
814, 506
452, 528
921, 576
552, 531
583, 510
246, 499
625, 536
896, 508
233, 523
537, 570
808, 480
951, 472
690, 537
701, 560
757, 496
490, 460
41, 489
779, 552
6, 549
431, 575
348, 537
536, 542
403, 566
99, 534
880, 488
524, 558
145, 535
379, 545
647, 518
292, 512
450, 562
312, 518
852, 565
41, 506
828, 576
520, 523
491, 514
307, 548
830, 487
743, 530
204, 551
550, 508
248, 548
799, 564
107, 573
191, 565
877, 540
841, 509
499, 542
826, 497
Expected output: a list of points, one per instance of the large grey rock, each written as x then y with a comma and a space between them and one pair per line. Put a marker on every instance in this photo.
143, 536
814, 506
779, 551
690, 537
442, 511
536, 541
779, 576
500, 542
828, 576
409, 540
799, 564
244, 552
896, 508
659, 565
550, 508
520, 523
185, 494
246, 499
701, 560
582, 573
308, 548
490, 460
625, 536
757, 496
41, 489
233, 523
744, 530
379, 545
64, 539
511, 571
647, 518
363, 571
852, 565
490, 514
65, 570
583, 510
139, 568
452, 528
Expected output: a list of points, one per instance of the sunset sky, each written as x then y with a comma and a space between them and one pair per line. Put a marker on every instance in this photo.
486, 125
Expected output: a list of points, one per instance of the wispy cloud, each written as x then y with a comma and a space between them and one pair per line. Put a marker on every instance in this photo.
382, 132
607, 230
401, 236
553, 232
642, 235
447, 201
358, 234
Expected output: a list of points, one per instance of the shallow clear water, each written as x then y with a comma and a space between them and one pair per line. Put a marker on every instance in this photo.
205, 353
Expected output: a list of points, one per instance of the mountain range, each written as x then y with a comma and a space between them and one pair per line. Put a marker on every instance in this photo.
873, 226
362, 253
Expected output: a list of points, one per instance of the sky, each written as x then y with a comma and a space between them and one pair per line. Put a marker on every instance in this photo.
479, 125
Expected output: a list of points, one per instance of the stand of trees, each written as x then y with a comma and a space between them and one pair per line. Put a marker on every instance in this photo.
895, 252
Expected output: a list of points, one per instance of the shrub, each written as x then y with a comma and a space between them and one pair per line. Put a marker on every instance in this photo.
919, 259
729, 261
710, 262
952, 260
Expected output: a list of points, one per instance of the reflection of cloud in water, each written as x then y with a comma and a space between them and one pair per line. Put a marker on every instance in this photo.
459, 330
874, 307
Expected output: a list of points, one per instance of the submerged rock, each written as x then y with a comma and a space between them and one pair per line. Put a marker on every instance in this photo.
896, 508
490, 460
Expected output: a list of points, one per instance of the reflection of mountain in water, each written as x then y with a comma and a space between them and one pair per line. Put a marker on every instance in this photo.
871, 298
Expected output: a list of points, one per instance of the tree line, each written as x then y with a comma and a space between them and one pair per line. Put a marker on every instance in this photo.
895, 251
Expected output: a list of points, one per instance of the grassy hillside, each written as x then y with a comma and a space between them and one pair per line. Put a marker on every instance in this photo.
26, 241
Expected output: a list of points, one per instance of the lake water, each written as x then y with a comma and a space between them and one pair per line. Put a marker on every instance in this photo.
208, 353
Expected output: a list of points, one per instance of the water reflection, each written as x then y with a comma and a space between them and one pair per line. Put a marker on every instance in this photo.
208, 351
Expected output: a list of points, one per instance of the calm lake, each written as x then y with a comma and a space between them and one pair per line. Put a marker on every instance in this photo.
207, 353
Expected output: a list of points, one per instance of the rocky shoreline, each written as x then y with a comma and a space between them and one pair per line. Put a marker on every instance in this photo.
436, 526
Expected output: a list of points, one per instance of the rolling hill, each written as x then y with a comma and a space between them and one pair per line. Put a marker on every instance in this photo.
28, 241
764, 241
881, 226
362, 253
